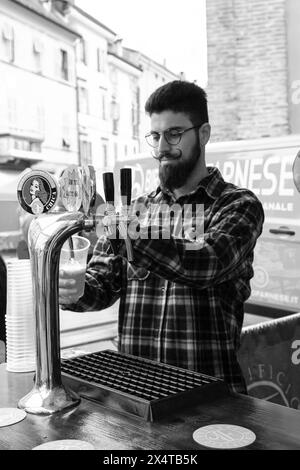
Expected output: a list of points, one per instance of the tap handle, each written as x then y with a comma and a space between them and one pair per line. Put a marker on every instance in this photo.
70, 183
109, 193
125, 186
125, 189
93, 185
86, 189
108, 185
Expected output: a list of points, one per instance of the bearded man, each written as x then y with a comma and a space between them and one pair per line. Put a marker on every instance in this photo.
181, 299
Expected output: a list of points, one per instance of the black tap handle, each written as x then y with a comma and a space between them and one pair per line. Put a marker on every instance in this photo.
109, 193
108, 185
125, 189
125, 185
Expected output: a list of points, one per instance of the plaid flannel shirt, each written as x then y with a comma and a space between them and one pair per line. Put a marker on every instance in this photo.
178, 306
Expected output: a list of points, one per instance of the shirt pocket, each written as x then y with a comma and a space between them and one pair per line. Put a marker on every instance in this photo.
134, 273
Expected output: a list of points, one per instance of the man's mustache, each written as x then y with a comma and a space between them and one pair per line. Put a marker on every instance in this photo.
159, 156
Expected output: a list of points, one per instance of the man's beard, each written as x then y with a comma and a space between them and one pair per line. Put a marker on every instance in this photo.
174, 175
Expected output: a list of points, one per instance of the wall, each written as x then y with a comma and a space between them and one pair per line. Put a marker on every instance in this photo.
247, 69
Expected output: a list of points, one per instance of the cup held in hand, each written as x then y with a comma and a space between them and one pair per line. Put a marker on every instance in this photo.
73, 260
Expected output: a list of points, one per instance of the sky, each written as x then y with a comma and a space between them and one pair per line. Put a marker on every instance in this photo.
174, 30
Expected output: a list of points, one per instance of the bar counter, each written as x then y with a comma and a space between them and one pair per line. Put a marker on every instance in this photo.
276, 427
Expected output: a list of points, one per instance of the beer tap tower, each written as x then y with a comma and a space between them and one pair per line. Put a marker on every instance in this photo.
47, 234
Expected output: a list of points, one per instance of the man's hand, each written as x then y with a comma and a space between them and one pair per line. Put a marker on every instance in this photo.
69, 290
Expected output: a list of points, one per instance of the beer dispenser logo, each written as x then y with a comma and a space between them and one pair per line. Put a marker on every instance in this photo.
37, 192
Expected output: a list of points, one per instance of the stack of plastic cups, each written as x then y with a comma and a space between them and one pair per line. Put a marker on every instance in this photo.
20, 318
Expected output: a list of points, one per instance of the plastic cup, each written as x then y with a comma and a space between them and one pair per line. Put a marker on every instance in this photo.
15, 310
20, 319
19, 332
73, 262
21, 349
21, 366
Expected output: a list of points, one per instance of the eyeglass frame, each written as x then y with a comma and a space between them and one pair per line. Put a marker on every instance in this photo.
180, 134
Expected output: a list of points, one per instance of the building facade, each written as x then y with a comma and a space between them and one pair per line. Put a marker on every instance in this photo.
93, 87
125, 78
38, 103
70, 92
153, 76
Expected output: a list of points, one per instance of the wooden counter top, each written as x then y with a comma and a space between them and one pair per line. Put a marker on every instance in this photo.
276, 427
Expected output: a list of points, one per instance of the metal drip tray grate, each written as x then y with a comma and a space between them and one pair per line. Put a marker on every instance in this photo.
138, 386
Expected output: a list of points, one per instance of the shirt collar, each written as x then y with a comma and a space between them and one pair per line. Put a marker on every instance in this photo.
213, 184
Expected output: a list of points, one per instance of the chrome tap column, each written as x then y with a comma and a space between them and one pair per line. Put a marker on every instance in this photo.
38, 193
47, 234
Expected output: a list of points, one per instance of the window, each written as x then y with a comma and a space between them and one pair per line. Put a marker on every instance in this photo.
66, 130
82, 53
86, 156
115, 115
37, 54
64, 65
9, 42
83, 100
104, 108
101, 60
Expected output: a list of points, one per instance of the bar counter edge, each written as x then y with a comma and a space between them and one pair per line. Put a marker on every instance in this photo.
276, 427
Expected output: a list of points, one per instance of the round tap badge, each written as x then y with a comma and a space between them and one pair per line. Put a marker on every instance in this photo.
37, 192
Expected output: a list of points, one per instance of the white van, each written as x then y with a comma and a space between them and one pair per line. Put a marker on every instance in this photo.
265, 167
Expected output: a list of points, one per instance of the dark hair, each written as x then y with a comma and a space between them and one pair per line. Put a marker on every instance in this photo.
180, 97
41, 193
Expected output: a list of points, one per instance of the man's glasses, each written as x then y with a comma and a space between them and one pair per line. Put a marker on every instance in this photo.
172, 136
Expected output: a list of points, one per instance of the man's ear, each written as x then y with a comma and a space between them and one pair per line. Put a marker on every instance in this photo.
204, 133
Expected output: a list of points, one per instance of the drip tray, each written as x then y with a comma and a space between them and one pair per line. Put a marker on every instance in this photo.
140, 387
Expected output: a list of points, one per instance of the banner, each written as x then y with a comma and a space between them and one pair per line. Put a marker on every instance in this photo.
270, 360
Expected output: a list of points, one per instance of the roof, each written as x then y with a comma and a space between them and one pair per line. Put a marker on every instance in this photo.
125, 60
94, 20
152, 60
36, 7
